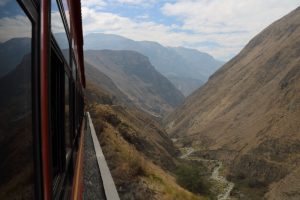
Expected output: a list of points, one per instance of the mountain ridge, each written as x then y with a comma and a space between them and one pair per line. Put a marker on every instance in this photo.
169, 61
134, 75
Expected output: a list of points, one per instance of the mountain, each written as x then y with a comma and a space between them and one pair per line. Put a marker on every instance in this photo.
140, 155
17, 47
179, 65
15, 130
198, 62
135, 77
248, 114
100, 80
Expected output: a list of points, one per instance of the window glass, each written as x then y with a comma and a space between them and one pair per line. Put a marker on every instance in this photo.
67, 115
67, 11
57, 112
16, 138
58, 30
74, 68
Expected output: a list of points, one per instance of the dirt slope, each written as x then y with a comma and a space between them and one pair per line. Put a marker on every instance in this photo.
248, 113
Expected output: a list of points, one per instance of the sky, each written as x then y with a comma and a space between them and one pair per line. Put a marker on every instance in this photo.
218, 27
13, 21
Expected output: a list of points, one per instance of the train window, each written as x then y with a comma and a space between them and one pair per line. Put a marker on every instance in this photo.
16, 137
57, 113
68, 139
59, 32
72, 107
74, 68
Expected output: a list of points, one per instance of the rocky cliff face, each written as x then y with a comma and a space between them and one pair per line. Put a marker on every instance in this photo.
135, 77
248, 112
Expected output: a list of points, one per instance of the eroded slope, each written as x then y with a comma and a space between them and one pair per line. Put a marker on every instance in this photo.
248, 112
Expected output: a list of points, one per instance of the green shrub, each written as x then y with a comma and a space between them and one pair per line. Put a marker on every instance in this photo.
113, 119
254, 183
191, 178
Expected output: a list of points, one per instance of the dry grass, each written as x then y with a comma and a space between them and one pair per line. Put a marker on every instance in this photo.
249, 105
136, 175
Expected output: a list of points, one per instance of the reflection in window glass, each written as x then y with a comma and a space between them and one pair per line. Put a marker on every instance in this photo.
67, 11
67, 115
74, 68
58, 30
16, 152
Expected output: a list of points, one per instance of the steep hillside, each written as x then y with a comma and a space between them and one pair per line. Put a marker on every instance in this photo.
110, 90
138, 151
248, 113
135, 77
181, 66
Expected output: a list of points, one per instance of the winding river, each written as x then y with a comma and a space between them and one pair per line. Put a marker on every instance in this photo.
226, 185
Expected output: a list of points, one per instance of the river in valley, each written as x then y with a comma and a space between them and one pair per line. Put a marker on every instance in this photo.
221, 182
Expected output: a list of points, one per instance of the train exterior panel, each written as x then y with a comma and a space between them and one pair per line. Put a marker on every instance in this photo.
42, 85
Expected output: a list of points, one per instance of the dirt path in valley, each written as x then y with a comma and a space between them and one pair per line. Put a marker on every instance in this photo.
215, 175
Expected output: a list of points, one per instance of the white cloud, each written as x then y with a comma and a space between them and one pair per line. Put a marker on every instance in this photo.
112, 23
96, 4
230, 24
131, 1
13, 27
137, 2
210, 16
57, 25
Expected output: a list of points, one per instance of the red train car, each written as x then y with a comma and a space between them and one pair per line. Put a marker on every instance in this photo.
41, 99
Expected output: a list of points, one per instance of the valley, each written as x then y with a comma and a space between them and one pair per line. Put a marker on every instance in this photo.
141, 157
235, 137
150, 100
222, 187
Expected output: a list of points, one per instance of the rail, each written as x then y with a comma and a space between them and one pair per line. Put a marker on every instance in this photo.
107, 180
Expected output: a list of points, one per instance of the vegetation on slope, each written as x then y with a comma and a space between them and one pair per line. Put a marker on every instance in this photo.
139, 153
190, 176
247, 114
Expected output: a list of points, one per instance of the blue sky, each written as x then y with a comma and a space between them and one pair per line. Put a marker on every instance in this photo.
219, 27
150, 12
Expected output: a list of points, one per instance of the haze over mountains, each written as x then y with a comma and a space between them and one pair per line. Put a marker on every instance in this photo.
136, 78
16, 47
247, 114
186, 68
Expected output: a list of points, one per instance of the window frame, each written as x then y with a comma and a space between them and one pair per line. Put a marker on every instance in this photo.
58, 129
30, 9
66, 29
66, 172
